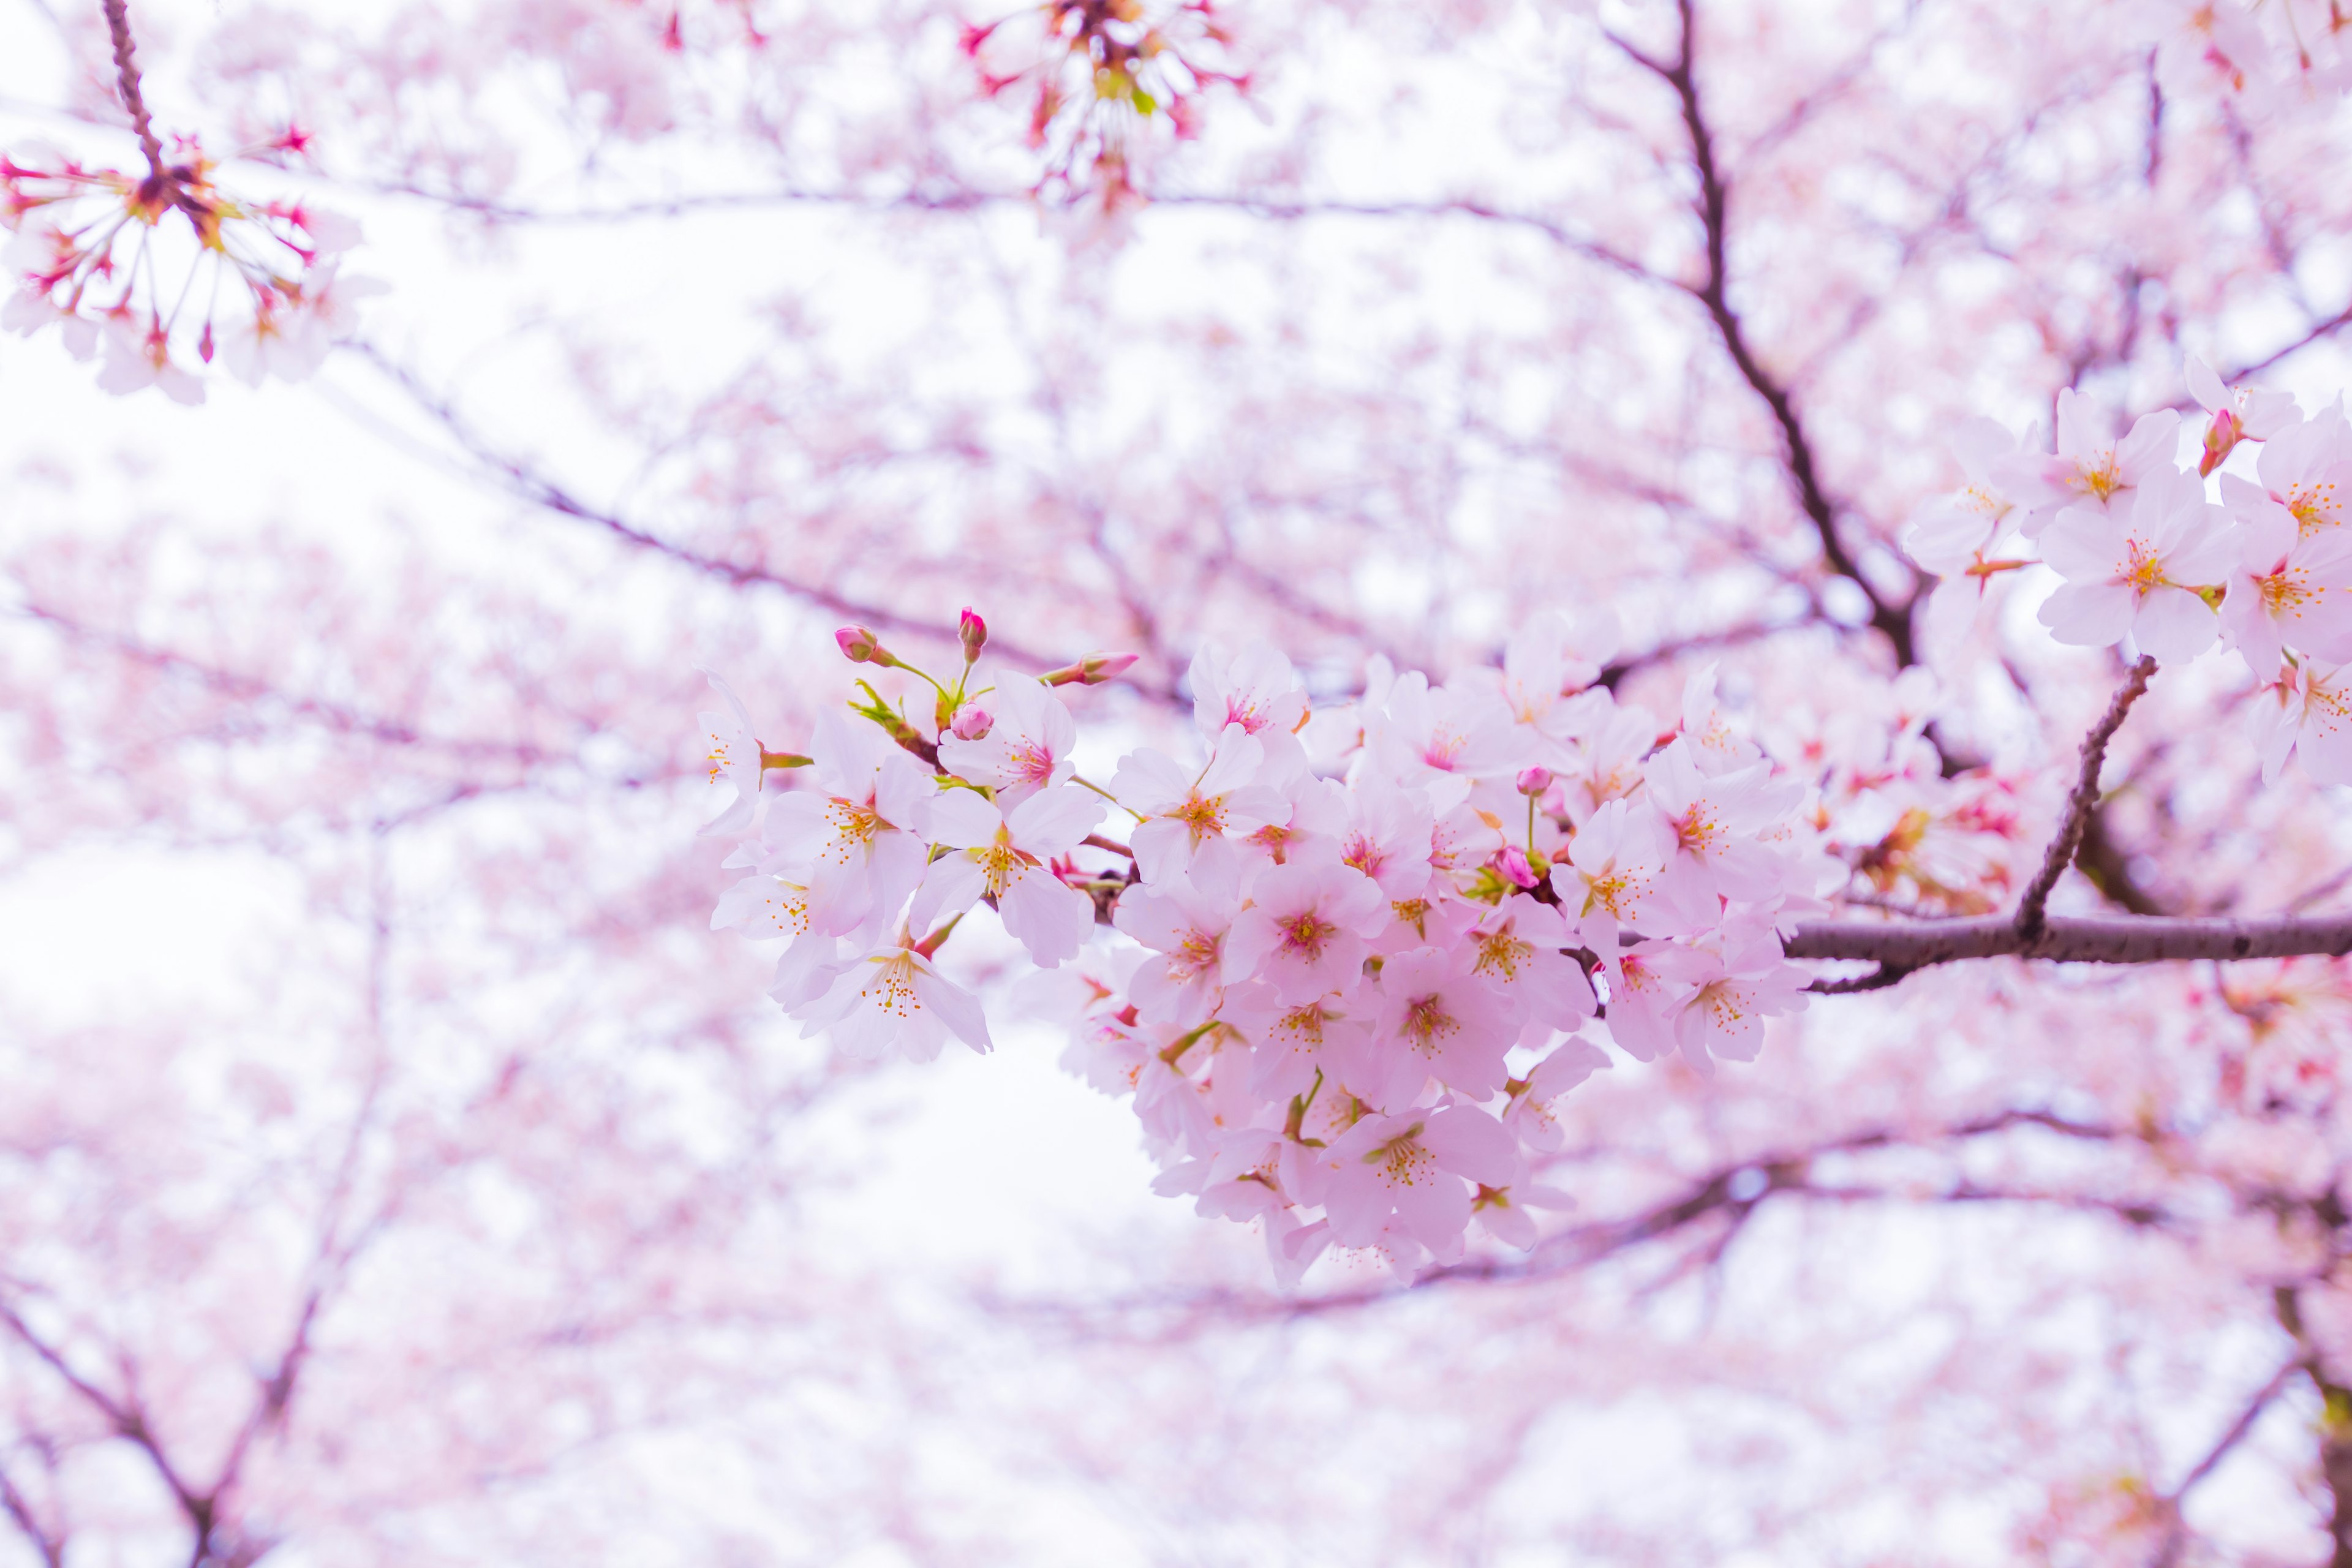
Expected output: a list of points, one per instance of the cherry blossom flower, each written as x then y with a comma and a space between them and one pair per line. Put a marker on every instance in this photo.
1529, 1116
1023, 746
733, 758
2138, 570
1549, 667
2306, 468
1186, 810
1387, 837
1305, 930
1441, 740
1516, 950
1451, 1026
854, 840
2240, 414
2306, 713
1613, 876
892, 997
1416, 1167
2288, 589
1299, 1042
1006, 857
1606, 765
2087, 472
1715, 745
1958, 536
1645, 993
1183, 920
1734, 980
1711, 822
1255, 688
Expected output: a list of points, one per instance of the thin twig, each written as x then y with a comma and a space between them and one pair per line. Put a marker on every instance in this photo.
126, 75
2085, 796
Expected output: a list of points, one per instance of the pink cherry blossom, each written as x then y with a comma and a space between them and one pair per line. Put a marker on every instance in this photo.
2137, 569
1414, 1167
1020, 748
2288, 589
1450, 1023
1305, 930
2087, 472
1183, 919
892, 998
1254, 689
1614, 875
1188, 810
855, 841
733, 757
2306, 713
1517, 950
1711, 852
1006, 856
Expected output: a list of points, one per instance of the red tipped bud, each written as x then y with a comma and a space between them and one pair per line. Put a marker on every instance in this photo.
2221, 436
1514, 865
972, 724
1533, 782
862, 647
972, 632
1091, 670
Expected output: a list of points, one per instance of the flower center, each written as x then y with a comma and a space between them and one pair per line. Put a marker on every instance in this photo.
1426, 1022
1304, 934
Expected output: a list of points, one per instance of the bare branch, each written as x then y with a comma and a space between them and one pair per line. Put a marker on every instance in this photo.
2120, 939
1715, 294
2079, 804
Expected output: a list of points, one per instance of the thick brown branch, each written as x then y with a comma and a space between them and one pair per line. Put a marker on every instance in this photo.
1909, 945
2080, 802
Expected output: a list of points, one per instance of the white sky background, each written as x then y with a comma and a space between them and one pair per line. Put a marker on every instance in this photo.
1001, 1170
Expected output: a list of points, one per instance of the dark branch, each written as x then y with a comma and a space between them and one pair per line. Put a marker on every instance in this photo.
126, 75
1910, 945
1715, 294
2081, 802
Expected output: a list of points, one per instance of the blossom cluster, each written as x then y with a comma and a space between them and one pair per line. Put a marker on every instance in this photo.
157, 273
2260, 564
1095, 71
1344, 960
2267, 55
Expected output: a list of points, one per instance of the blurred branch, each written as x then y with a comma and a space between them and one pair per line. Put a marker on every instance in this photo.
528, 484
1713, 293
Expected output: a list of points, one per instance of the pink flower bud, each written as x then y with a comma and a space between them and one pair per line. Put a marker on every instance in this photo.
1513, 864
972, 723
2221, 436
972, 632
1533, 782
1091, 670
862, 647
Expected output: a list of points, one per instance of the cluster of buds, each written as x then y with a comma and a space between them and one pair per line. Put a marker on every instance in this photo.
1342, 960
1096, 72
159, 273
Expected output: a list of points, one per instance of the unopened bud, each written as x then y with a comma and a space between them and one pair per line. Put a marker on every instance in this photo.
1513, 864
1533, 782
1091, 670
972, 724
2221, 438
861, 647
972, 632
